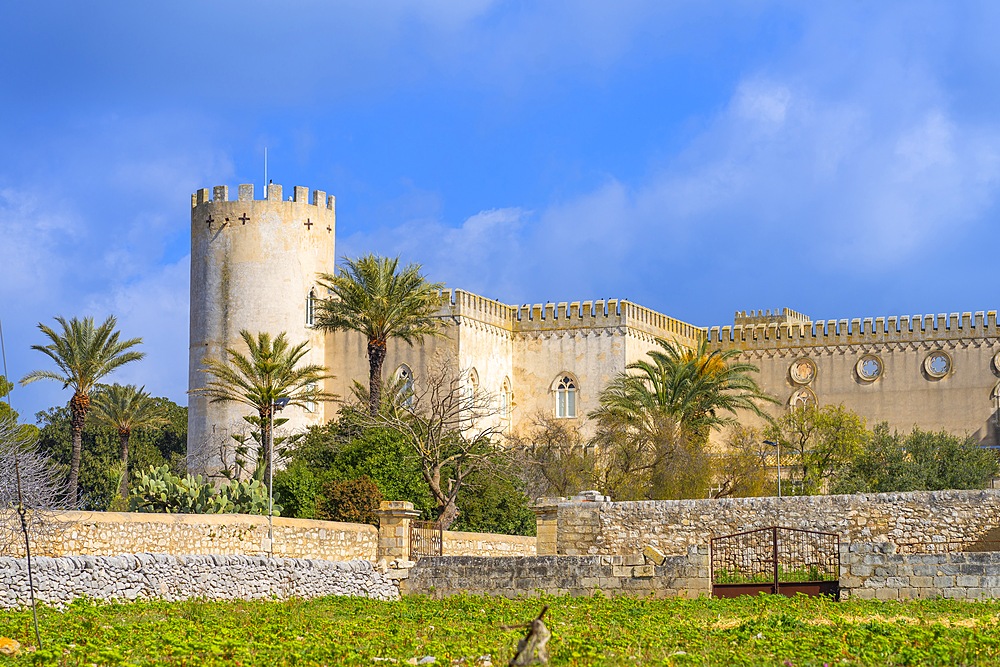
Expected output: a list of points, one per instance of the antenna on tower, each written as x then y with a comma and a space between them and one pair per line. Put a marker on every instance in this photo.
265, 172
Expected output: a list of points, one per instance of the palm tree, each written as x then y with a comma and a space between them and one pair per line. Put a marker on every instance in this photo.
697, 389
84, 355
270, 371
371, 296
126, 408
655, 419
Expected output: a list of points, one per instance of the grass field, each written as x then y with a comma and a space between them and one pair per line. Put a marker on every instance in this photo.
460, 631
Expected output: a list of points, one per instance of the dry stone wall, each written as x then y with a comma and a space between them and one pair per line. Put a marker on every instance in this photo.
59, 581
918, 522
116, 533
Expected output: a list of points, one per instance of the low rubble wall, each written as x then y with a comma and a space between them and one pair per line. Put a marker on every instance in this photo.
59, 581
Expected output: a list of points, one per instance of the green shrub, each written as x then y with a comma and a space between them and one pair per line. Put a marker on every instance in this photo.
350, 500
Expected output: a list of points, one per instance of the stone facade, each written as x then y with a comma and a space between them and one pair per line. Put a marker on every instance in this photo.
118, 533
938, 372
917, 522
58, 581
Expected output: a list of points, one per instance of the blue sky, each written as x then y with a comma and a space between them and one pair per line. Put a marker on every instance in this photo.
838, 158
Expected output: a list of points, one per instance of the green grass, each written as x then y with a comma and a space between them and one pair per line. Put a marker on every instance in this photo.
763, 630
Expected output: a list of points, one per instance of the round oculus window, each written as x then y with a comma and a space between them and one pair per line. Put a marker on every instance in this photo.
802, 371
937, 364
869, 368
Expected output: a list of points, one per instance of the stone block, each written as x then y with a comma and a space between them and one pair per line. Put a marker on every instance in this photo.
643, 571
887, 593
968, 581
944, 581
654, 555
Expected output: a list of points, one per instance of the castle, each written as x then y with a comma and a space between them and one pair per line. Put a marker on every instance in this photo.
254, 265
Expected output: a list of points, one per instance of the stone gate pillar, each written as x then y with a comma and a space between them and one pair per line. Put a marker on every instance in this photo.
547, 526
394, 517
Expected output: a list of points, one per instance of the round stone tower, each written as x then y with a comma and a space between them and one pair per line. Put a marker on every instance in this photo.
253, 266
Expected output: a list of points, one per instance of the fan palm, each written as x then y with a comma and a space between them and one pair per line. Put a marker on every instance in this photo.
126, 408
372, 296
270, 371
84, 355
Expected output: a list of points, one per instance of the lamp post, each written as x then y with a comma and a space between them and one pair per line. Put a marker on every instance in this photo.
277, 404
777, 450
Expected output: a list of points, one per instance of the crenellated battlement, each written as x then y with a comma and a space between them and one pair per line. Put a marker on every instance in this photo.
597, 314
856, 331
782, 316
245, 192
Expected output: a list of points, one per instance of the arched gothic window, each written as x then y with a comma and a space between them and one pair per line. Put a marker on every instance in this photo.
311, 308
311, 405
404, 376
506, 399
473, 382
565, 390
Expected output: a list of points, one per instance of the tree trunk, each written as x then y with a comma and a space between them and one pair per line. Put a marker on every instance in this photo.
78, 407
265, 442
376, 357
123, 436
449, 515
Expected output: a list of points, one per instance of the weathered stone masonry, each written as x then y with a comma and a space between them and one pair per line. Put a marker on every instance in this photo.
58, 581
919, 522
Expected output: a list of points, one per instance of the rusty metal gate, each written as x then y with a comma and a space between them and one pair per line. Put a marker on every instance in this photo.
426, 539
776, 560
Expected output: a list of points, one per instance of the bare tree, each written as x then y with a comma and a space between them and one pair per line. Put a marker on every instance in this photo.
552, 456
743, 468
451, 424
42, 489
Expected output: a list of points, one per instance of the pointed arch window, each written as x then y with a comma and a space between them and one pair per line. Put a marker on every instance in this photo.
565, 392
473, 382
311, 308
404, 379
506, 399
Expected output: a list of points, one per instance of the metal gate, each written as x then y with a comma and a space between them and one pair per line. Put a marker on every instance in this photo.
426, 539
776, 560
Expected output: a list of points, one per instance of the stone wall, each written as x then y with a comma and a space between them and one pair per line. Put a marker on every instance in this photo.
868, 570
877, 571
684, 576
918, 522
458, 543
116, 533
58, 581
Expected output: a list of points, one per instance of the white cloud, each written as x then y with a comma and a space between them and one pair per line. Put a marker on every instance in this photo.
155, 309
